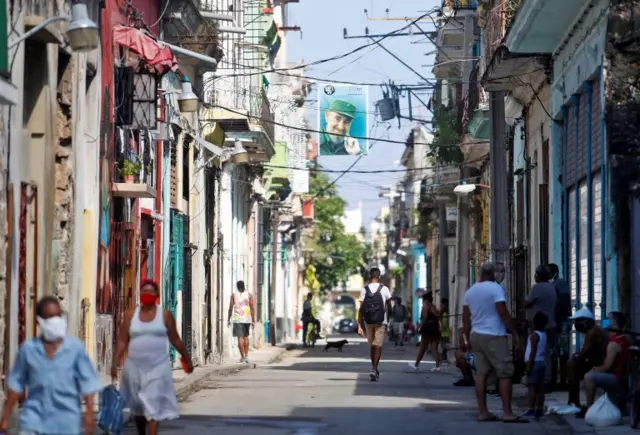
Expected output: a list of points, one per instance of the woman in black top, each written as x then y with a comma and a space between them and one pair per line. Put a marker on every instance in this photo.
430, 333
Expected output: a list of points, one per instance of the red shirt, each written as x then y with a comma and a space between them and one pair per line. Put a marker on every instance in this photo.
619, 365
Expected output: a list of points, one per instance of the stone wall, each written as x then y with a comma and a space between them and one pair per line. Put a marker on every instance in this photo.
4, 321
63, 212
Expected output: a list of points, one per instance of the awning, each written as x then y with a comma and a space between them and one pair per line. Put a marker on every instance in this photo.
214, 149
153, 53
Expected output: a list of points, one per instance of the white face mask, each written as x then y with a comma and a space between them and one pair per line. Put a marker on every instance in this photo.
53, 328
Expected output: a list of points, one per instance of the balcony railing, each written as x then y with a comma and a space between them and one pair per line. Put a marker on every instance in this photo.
475, 99
134, 174
460, 4
498, 17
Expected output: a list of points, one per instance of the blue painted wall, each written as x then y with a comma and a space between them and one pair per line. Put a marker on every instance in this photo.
576, 68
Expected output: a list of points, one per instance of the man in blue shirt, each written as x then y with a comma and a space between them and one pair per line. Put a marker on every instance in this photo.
55, 373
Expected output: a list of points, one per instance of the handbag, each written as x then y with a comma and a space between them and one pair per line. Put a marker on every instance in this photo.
111, 420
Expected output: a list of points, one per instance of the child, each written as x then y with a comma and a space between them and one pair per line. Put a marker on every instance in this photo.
536, 367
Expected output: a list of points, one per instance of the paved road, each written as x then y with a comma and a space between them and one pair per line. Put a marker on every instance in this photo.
317, 393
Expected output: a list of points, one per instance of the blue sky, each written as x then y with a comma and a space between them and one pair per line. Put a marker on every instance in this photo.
322, 24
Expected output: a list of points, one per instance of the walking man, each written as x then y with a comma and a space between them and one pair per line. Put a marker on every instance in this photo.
563, 327
485, 309
242, 316
398, 315
374, 305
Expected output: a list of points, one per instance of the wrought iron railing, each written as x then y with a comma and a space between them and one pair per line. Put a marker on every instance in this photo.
498, 17
135, 151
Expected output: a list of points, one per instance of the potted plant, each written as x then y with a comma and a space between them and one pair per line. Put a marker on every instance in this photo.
129, 170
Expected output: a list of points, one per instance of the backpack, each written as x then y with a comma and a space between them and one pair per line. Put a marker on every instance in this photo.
373, 306
398, 313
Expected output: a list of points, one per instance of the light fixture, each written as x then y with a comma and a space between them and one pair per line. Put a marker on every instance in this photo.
83, 33
187, 100
464, 189
239, 155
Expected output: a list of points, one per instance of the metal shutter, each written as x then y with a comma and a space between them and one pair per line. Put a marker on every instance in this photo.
583, 119
571, 147
596, 127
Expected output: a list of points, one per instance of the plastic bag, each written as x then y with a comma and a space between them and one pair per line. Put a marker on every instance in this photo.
603, 413
111, 420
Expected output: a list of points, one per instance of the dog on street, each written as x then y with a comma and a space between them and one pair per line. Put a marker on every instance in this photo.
335, 344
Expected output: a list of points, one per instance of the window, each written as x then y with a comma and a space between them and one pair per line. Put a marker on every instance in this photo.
596, 186
584, 242
572, 238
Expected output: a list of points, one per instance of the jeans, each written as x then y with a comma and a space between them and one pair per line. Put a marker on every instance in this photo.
552, 338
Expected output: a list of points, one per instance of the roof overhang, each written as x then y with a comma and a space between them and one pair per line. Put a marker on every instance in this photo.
508, 71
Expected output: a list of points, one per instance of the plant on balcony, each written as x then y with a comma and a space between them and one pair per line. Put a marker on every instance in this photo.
445, 148
130, 169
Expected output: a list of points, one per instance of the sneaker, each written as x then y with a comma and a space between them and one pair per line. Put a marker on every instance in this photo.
464, 383
373, 375
539, 413
493, 393
377, 375
413, 366
246, 361
531, 413
435, 369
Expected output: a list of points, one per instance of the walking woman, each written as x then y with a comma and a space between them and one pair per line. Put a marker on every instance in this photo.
56, 375
430, 334
147, 381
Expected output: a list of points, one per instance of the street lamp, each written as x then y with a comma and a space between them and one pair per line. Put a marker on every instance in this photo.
83, 33
240, 155
187, 100
465, 189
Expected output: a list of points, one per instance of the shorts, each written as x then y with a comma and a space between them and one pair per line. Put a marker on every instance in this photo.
607, 381
241, 329
492, 353
536, 375
375, 334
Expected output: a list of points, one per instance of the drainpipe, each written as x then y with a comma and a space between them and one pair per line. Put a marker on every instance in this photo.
575, 101
588, 88
565, 194
604, 200
158, 223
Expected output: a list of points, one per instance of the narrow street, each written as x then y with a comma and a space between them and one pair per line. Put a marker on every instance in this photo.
313, 392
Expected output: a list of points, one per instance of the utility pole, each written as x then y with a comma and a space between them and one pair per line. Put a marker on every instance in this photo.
442, 249
274, 270
499, 188
462, 281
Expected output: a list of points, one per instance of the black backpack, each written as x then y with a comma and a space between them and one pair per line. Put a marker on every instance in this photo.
373, 306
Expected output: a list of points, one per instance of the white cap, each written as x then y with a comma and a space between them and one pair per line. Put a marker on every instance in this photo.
583, 313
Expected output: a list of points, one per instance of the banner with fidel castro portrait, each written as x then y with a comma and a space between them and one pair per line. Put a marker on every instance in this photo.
343, 120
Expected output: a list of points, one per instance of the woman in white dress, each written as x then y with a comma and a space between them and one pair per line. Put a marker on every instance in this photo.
147, 381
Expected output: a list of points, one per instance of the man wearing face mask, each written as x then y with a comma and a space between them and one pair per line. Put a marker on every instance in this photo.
57, 375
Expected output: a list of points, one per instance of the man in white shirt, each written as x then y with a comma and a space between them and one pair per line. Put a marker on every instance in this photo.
374, 309
485, 311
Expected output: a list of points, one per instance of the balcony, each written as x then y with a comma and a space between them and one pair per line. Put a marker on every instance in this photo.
540, 25
184, 25
134, 174
504, 70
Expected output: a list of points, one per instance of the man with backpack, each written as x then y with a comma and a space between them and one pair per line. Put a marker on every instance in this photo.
374, 305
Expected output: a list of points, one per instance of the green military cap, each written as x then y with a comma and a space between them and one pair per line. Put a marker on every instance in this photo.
344, 108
